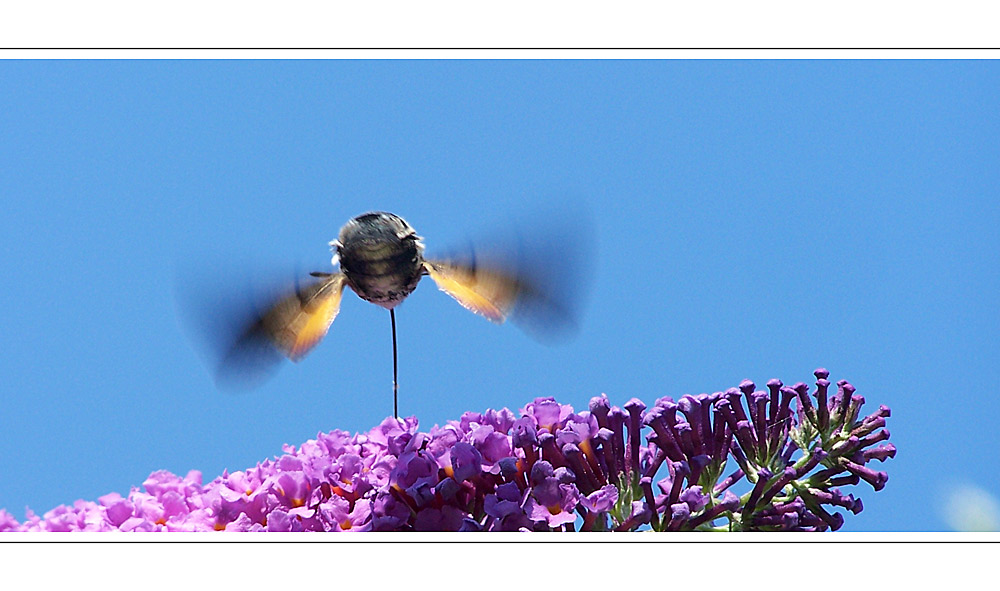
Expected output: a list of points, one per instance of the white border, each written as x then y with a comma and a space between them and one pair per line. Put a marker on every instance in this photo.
512, 23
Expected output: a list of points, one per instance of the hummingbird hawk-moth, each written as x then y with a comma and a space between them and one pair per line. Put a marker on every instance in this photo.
381, 259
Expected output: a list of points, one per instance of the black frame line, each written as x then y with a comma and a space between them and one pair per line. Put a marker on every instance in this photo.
499, 48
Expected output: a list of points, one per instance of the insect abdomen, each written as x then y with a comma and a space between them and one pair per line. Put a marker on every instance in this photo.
383, 275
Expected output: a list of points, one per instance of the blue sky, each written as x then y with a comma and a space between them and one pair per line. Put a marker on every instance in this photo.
750, 219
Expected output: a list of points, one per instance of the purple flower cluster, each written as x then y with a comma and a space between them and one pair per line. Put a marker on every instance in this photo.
550, 469
794, 459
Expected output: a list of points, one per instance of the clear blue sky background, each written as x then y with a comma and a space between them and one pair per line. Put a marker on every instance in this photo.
753, 220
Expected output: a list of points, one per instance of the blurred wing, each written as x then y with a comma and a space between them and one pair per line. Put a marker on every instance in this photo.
534, 274
291, 326
487, 291
297, 322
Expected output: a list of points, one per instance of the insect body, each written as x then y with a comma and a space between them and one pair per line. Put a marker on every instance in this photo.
381, 259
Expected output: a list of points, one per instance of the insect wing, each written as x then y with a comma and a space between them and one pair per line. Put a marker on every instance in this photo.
297, 322
290, 326
535, 274
487, 291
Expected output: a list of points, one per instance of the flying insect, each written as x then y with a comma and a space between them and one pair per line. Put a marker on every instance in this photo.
381, 259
